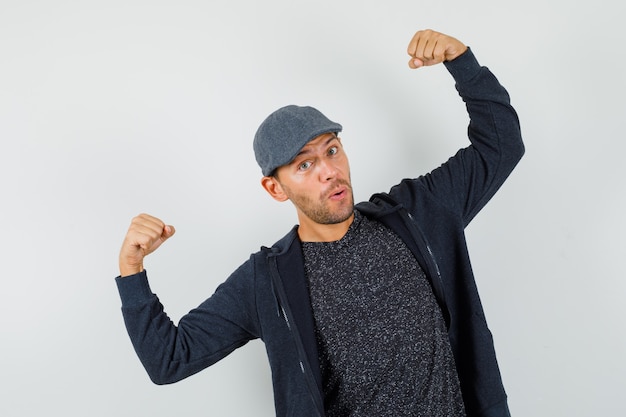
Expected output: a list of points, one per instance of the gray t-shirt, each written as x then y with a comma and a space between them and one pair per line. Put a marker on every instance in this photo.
383, 345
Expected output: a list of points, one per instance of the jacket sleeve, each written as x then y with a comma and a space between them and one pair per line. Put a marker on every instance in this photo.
169, 352
466, 182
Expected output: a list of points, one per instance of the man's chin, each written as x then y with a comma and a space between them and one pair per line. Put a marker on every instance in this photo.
340, 218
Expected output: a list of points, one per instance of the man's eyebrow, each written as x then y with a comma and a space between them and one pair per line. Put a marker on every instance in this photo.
305, 151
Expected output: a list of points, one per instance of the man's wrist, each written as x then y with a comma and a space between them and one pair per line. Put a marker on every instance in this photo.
464, 67
134, 290
128, 270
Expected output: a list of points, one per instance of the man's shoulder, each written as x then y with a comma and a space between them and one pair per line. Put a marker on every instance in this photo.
400, 195
281, 246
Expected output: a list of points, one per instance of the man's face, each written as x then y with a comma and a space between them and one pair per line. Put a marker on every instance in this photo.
318, 183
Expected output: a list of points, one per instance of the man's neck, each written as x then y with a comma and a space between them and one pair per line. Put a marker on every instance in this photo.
309, 231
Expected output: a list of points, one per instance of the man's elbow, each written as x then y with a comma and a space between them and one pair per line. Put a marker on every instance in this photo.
160, 379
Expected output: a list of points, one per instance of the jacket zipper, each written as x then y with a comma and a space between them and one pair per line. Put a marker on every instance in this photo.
442, 299
308, 376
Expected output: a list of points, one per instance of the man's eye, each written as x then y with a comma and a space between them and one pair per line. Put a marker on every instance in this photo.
333, 151
304, 166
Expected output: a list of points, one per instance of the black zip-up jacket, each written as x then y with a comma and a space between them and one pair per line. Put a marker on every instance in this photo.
267, 297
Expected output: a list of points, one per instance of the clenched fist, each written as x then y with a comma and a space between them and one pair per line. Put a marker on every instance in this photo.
145, 234
429, 48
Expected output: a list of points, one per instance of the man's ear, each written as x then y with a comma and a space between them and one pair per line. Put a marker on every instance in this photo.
273, 188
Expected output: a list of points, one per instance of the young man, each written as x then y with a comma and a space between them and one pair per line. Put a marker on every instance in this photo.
366, 310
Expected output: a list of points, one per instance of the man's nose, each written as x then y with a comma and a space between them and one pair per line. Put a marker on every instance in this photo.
328, 171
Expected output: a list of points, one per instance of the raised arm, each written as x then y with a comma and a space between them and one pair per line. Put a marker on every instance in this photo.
472, 176
169, 352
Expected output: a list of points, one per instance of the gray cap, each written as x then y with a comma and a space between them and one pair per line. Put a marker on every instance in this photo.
285, 132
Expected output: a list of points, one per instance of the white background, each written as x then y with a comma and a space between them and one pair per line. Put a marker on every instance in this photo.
112, 108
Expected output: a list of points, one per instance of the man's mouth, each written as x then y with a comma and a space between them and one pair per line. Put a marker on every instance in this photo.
338, 194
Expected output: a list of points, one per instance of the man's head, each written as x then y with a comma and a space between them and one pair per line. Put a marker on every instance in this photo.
302, 160
285, 132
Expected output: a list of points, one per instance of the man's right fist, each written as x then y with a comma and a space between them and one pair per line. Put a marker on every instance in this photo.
145, 234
